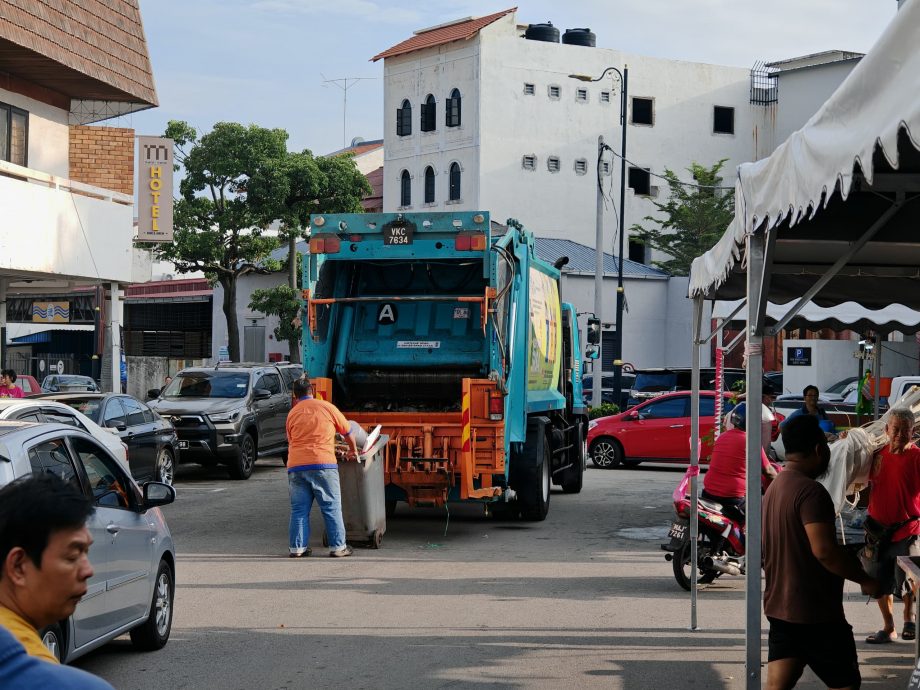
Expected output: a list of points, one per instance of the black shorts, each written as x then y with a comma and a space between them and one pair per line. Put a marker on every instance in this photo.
828, 649
890, 577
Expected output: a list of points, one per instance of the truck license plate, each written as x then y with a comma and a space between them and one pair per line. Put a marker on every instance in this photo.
396, 235
677, 530
183, 444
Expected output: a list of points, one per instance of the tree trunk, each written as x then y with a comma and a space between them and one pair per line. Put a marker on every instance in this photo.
228, 283
293, 345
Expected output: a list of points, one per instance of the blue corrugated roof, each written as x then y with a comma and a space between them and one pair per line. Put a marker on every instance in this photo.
582, 259
32, 338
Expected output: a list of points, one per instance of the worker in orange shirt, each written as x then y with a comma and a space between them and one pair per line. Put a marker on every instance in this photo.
313, 471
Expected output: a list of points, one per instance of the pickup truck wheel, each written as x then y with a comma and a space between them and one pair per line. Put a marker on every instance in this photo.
606, 453
153, 633
573, 478
536, 491
241, 468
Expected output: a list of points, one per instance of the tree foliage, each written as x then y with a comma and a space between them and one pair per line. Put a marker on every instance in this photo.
695, 217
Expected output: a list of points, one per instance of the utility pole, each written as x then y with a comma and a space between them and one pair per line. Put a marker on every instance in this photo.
344, 83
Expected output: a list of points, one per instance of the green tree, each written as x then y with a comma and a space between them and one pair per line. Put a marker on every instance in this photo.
695, 217
235, 178
313, 185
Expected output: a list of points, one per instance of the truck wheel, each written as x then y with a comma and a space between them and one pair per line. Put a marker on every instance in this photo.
536, 492
573, 478
241, 467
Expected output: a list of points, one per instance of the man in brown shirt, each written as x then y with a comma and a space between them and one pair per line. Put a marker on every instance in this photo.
805, 569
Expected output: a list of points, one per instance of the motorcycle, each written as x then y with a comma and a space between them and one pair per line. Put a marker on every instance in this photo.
720, 545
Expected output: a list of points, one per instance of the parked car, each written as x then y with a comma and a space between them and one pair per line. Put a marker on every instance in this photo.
54, 412
229, 414
28, 384
58, 383
153, 446
775, 379
657, 430
289, 373
607, 395
651, 383
132, 555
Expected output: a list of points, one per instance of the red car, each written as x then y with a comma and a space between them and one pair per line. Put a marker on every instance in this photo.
658, 430
28, 384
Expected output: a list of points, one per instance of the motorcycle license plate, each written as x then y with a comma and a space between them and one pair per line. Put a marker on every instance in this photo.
677, 531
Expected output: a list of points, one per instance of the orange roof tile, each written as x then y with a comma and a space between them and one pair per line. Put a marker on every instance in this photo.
461, 31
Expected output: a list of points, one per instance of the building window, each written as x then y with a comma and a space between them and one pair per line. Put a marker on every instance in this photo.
605, 97
723, 120
581, 166
555, 92
643, 111
405, 189
454, 193
428, 121
429, 185
637, 251
552, 164
529, 89
529, 162
581, 95
640, 181
453, 109
14, 135
404, 119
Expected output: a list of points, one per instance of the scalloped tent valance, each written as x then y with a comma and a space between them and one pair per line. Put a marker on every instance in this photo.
849, 179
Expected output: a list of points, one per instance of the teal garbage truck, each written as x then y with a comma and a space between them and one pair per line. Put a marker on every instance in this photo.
453, 338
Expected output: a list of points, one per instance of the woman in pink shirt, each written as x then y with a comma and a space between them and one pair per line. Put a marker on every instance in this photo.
8, 387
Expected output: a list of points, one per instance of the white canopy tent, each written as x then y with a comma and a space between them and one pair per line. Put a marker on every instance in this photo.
832, 216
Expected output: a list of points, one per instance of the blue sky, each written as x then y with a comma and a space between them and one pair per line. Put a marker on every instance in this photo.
264, 61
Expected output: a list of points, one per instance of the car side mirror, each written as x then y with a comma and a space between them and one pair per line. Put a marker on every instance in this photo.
632, 417
261, 393
153, 393
158, 494
117, 426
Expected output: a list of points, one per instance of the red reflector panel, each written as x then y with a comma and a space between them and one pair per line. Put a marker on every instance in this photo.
496, 407
317, 245
332, 245
462, 243
478, 243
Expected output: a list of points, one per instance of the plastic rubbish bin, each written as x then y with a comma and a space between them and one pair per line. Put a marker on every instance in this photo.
363, 496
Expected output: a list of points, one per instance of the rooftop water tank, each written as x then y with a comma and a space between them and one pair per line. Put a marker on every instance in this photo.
579, 37
542, 32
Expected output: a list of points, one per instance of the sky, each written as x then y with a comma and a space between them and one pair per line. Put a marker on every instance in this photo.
265, 61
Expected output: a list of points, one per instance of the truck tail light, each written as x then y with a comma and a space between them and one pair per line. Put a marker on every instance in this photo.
332, 245
317, 245
496, 408
472, 242
462, 243
329, 244
477, 242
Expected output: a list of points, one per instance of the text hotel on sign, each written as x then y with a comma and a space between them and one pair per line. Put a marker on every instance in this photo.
155, 195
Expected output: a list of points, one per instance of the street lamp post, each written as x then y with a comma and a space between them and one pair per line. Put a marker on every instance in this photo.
599, 248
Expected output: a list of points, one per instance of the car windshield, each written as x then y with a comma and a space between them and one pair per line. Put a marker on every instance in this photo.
88, 407
655, 382
73, 382
839, 387
207, 384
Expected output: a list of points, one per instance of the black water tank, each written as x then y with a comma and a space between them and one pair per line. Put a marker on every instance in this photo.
579, 37
542, 32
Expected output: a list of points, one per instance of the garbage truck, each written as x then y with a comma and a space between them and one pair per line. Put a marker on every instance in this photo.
453, 339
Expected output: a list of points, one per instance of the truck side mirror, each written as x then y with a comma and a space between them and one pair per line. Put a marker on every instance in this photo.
592, 352
594, 331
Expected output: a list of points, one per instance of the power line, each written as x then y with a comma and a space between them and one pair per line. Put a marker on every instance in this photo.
665, 178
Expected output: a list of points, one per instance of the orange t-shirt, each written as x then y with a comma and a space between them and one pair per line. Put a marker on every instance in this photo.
311, 428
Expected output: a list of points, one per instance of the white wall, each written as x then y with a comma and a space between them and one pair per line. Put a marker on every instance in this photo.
802, 91
370, 161
246, 316
49, 135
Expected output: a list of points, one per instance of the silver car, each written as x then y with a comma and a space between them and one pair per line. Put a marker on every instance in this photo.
132, 554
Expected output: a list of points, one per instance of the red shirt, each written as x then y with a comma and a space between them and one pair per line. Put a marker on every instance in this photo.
895, 493
726, 475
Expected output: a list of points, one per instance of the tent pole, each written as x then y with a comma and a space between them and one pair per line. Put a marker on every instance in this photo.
877, 374
723, 324
694, 454
756, 250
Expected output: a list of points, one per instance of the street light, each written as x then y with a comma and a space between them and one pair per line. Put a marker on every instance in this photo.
599, 241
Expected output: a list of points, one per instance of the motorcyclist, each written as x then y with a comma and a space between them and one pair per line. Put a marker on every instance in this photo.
724, 482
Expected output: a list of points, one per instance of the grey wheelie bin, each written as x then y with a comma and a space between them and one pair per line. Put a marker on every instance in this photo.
363, 497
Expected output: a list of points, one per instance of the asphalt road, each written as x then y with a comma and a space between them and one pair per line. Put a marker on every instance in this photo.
583, 599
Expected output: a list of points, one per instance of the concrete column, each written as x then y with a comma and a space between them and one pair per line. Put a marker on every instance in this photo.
115, 318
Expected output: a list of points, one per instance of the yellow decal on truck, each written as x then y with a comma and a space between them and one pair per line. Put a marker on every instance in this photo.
545, 332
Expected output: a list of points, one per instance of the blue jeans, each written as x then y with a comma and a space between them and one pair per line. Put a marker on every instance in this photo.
303, 487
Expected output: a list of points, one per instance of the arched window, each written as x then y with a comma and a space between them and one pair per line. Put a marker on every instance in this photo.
429, 185
453, 109
429, 115
405, 189
404, 119
454, 182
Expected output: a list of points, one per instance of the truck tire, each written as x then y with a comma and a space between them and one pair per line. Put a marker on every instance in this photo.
573, 477
535, 492
241, 466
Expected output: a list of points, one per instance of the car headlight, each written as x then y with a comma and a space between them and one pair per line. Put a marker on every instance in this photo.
592, 424
230, 416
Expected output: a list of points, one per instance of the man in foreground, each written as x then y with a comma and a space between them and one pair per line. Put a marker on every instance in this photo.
313, 470
805, 569
894, 503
